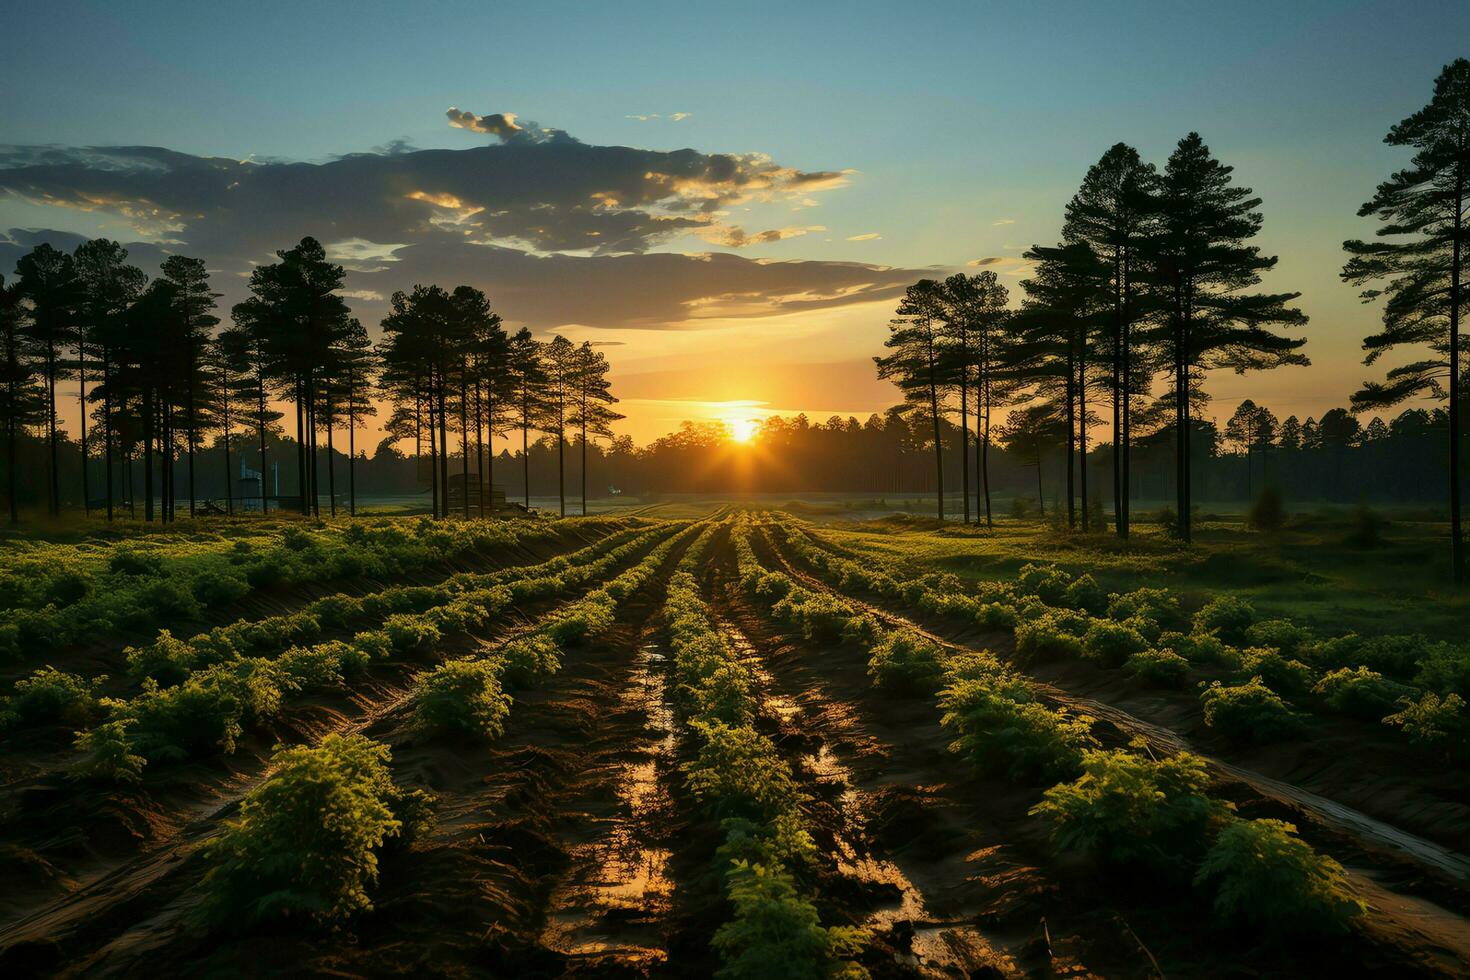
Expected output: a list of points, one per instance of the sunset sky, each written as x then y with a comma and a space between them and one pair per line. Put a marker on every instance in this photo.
730, 196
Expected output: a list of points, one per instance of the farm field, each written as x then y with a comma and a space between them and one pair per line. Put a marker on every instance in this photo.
711, 736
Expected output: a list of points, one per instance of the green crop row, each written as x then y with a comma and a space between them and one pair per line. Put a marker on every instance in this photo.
1121, 807
48, 602
738, 777
1270, 667
206, 713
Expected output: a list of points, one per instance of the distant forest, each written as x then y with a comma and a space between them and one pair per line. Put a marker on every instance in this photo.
1334, 459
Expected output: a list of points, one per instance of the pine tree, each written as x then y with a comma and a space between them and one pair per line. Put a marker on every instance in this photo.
21, 399
591, 409
526, 377
918, 364
1111, 213
1199, 264
47, 281
1421, 255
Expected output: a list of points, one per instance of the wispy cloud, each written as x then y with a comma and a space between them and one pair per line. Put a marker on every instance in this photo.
871, 236
650, 116
1002, 221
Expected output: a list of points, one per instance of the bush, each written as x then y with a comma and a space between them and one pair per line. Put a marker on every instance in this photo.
1127, 808
528, 659
1278, 634
167, 660
1084, 593
1445, 668
1162, 667
862, 630
322, 665
51, 695
1047, 582
1111, 644
1359, 692
409, 633
1249, 712
1227, 615
1047, 637
107, 754
776, 933
127, 561
1266, 876
1199, 648
215, 588
1156, 604
739, 773
1001, 728
461, 697
583, 621
1279, 673
307, 840
1433, 721
907, 662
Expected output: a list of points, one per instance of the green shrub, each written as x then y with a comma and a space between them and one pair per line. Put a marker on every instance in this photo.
1359, 692
862, 630
529, 659
1047, 637
203, 715
1279, 673
323, 665
1047, 582
51, 695
776, 934
738, 773
1084, 593
1162, 667
907, 662
167, 660
1151, 603
1267, 877
216, 588
1199, 648
409, 633
1111, 644
336, 611
1444, 667
724, 694
67, 587
772, 586
1433, 721
1227, 615
1367, 529
1127, 808
107, 754
374, 644
128, 561
307, 841
1000, 727
998, 616
1249, 712
587, 619
1278, 634
461, 697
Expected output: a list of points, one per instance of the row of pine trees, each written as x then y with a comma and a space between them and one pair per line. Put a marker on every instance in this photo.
156, 376
1156, 281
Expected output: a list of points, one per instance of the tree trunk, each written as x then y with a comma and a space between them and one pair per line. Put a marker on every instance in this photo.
107, 426
331, 465
148, 454
1457, 541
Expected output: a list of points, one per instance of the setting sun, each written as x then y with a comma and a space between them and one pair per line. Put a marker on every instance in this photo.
743, 430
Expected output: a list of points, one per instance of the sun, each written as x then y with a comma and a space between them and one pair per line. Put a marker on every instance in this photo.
743, 430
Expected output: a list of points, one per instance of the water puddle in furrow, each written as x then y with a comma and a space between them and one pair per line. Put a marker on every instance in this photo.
620, 882
938, 948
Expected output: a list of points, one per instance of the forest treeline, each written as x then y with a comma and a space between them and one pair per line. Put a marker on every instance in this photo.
1154, 283
158, 381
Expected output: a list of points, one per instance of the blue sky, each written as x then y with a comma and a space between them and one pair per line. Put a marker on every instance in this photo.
961, 128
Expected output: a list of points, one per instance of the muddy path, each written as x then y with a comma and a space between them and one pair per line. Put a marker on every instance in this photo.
106, 892
1415, 914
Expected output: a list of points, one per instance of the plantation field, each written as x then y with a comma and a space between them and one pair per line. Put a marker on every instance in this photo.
755, 738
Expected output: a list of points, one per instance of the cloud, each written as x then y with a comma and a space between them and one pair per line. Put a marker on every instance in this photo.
1005, 265
557, 231
871, 236
534, 187
649, 117
1002, 221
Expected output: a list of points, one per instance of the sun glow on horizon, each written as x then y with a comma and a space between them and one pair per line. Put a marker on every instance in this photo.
743, 430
